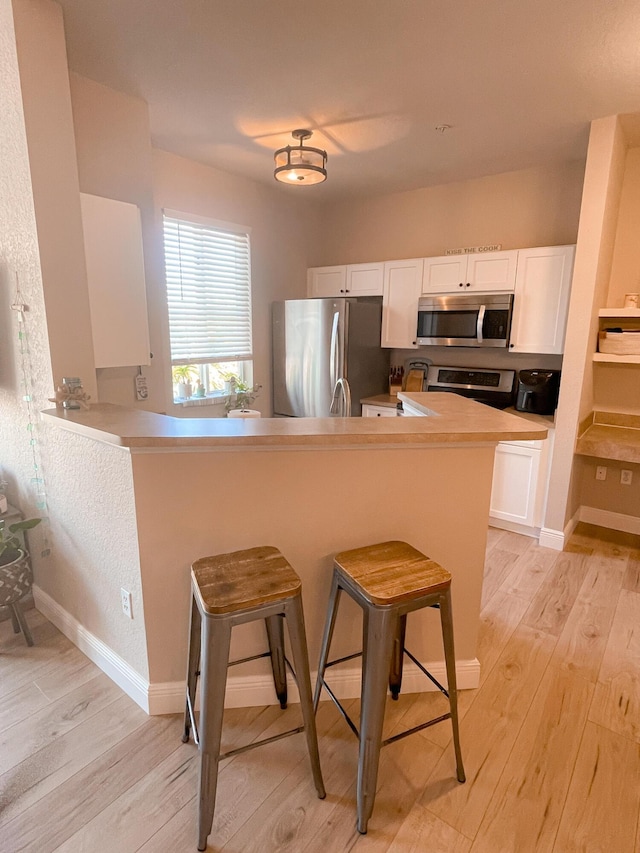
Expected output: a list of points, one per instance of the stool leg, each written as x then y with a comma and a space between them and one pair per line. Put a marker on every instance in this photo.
450, 660
332, 610
275, 635
18, 616
381, 628
192, 667
397, 658
216, 639
16, 624
297, 636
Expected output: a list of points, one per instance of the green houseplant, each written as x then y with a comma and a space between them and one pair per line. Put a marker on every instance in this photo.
243, 395
16, 577
183, 376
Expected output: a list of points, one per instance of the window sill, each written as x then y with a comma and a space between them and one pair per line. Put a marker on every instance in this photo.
210, 400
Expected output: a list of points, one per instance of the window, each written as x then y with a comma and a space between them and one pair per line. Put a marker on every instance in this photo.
208, 272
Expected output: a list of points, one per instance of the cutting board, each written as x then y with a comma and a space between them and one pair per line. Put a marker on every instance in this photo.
415, 380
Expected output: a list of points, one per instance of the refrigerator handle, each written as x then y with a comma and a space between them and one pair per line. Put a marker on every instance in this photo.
346, 397
341, 400
334, 349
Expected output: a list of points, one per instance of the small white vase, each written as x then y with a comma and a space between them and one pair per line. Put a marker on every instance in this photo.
185, 390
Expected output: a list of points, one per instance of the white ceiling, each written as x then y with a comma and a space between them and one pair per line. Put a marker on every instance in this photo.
228, 80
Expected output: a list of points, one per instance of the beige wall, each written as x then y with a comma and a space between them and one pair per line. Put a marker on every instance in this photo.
113, 146
282, 236
44, 79
625, 266
534, 207
310, 504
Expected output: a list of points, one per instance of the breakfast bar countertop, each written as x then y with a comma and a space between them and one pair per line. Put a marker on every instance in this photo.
451, 419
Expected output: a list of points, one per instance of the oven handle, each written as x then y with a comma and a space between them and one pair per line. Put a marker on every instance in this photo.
480, 322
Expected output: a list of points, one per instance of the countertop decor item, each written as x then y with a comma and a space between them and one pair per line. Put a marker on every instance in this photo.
71, 395
243, 396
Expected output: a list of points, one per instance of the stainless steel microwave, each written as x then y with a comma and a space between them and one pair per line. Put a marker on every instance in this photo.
472, 320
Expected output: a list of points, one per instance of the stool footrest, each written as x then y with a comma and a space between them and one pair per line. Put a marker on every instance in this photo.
246, 660
259, 743
340, 708
426, 672
416, 729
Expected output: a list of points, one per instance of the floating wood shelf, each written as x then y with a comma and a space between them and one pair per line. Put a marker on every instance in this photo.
619, 312
616, 359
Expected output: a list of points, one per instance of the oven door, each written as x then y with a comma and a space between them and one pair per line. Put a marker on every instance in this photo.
465, 321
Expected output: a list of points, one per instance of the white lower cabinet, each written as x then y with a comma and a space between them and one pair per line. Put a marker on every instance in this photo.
520, 484
369, 411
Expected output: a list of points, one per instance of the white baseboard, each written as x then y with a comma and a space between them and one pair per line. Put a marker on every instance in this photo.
556, 539
612, 520
514, 527
118, 670
242, 691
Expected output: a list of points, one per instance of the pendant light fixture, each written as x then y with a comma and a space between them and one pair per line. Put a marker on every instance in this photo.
300, 164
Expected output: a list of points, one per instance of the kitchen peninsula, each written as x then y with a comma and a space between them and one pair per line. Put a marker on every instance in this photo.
143, 495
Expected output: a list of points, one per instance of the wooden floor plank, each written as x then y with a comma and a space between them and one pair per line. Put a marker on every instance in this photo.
525, 810
631, 579
497, 568
529, 571
583, 640
488, 732
616, 703
43, 727
601, 812
89, 791
422, 831
498, 621
552, 603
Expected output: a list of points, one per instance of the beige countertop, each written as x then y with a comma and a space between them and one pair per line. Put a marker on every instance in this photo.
611, 436
453, 420
388, 400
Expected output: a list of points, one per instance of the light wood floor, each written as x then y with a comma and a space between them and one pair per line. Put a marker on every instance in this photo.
551, 739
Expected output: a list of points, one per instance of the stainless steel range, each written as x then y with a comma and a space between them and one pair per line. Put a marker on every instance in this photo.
492, 386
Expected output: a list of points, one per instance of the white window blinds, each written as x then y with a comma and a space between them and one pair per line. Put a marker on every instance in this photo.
208, 270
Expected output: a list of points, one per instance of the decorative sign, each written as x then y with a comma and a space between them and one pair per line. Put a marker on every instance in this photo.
472, 250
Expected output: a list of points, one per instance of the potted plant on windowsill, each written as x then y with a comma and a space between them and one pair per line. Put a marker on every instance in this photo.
183, 376
243, 397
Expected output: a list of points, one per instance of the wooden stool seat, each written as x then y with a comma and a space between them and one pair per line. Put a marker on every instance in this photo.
228, 590
240, 580
388, 581
391, 572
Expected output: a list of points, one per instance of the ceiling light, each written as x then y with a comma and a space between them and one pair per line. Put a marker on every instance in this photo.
300, 164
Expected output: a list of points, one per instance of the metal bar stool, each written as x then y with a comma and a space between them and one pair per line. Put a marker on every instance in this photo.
388, 581
228, 590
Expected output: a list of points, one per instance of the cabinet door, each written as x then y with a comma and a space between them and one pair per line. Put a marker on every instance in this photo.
402, 283
445, 274
491, 272
116, 281
369, 411
327, 281
515, 483
541, 300
365, 279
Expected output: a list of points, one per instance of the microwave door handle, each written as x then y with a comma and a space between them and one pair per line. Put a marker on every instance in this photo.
480, 322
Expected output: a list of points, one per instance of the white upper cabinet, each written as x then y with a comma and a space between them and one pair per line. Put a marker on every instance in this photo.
116, 281
345, 280
541, 300
326, 281
477, 273
402, 283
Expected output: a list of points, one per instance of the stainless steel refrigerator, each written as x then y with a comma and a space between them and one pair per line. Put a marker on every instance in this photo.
327, 356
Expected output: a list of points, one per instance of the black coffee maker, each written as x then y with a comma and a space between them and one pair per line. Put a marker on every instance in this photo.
538, 391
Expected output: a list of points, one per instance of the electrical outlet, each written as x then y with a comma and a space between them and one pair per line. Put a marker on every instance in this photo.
601, 472
626, 476
125, 597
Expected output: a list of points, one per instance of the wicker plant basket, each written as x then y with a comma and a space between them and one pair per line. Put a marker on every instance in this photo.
16, 579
